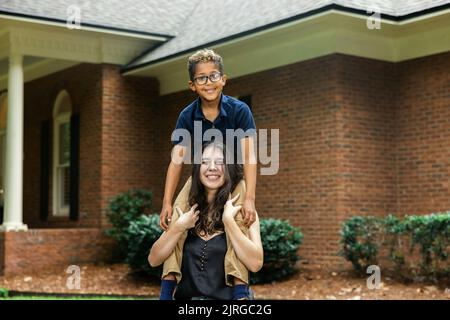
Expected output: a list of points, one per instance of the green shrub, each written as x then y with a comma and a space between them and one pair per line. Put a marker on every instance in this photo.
280, 243
363, 240
123, 209
360, 241
4, 293
142, 233
431, 233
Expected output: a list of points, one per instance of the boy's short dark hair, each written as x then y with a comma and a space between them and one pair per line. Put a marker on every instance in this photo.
204, 55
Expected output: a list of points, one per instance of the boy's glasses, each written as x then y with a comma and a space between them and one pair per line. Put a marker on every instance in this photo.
213, 77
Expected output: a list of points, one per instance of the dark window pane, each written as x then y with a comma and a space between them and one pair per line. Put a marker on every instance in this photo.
247, 99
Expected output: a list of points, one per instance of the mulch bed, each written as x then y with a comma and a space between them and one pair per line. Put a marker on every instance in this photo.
310, 283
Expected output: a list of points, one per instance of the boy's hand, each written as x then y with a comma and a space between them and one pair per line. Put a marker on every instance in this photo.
187, 220
248, 207
166, 212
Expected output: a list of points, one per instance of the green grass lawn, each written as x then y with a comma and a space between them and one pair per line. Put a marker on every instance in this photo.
5, 295
72, 298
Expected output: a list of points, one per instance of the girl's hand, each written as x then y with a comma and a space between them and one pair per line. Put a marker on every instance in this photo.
187, 220
230, 211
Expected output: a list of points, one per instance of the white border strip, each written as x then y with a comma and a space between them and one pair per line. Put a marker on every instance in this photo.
85, 28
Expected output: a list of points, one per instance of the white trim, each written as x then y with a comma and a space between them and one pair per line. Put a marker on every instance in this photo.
424, 17
316, 36
73, 46
313, 19
62, 48
58, 119
3, 97
67, 47
86, 28
2, 167
13, 218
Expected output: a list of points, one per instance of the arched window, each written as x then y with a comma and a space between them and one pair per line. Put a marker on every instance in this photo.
62, 111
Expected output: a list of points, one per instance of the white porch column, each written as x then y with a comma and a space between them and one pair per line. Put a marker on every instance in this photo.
12, 219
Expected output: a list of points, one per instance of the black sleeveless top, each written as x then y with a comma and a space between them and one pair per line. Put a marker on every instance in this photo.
202, 269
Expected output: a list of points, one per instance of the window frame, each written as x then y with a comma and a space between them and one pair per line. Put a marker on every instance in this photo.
58, 210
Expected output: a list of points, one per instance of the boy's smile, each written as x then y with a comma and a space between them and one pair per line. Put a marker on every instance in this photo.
210, 91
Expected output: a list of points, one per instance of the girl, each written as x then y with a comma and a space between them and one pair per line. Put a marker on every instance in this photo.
208, 229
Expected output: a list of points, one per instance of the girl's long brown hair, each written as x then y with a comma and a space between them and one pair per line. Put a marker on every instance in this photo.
210, 217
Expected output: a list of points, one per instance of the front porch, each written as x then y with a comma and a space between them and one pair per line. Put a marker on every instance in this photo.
45, 223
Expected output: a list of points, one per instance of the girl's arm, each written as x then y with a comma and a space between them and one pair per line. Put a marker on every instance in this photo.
164, 246
166, 243
248, 250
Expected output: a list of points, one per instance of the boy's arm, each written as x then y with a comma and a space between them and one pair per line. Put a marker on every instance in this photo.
250, 169
172, 179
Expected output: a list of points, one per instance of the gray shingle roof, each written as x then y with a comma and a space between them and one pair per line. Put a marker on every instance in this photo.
213, 20
149, 16
194, 22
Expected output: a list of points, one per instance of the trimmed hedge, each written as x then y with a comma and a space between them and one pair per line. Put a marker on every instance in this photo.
4, 293
280, 242
141, 234
125, 208
412, 247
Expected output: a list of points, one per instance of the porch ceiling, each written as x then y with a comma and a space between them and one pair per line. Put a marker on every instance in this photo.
34, 68
27, 62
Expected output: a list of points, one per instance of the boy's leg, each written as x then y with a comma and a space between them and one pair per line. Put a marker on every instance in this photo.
168, 284
172, 265
241, 290
233, 266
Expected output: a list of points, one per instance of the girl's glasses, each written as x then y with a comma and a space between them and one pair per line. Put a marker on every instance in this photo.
208, 162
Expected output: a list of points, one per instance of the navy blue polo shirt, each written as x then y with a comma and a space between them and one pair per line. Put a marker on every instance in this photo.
234, 114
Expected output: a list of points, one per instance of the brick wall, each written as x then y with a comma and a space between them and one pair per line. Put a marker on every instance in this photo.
423, 135
300, 101
83, 83
130, 134
357, 136
48, 250
117, 137
366, 124
353, 133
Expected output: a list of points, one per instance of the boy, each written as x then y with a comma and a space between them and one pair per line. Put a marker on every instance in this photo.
213, 110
